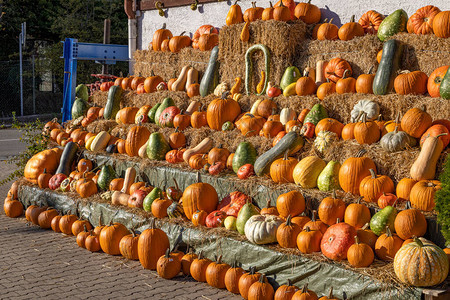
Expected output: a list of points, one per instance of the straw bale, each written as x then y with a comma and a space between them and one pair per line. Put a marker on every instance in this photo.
340, 106
101, 125
424, 52
99, 98
360, 52
166, 64
282, 38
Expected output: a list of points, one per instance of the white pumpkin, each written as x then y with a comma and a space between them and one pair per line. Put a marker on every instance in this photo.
371, 108
262, 229
286, 115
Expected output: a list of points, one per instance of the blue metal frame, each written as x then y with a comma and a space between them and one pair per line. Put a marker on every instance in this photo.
74, 51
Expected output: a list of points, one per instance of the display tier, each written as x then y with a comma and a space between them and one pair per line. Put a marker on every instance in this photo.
278, 264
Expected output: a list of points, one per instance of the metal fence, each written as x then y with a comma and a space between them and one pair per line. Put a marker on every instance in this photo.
40, 93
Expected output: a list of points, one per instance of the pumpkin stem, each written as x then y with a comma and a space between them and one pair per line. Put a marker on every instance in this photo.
235, 2
199, 178
345, 74
305, 73
167, 254
133, 233
424, 108
418, 241
288, 220
176, 184
388, 231
372, 173
331, 20
305, 288
271, 5
225, 95
286, 154
361, 152
307, 229
356, 240
261, 278
352, 19
334, 194
396, 129
254, 4
365, 226
358, 201
219, 259
330, 295
45, 171
408, 204
289, 283
200, 255
338, 221
152, 223
84, 227
252, 270
313, 217
370, 70
182, 33
100, 221
281, 4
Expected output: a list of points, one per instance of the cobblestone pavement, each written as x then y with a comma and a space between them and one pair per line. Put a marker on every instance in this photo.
37, 264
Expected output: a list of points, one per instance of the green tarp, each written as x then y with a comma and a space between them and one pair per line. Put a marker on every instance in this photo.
320, 275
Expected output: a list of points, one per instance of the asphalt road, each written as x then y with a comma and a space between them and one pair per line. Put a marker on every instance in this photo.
10, 143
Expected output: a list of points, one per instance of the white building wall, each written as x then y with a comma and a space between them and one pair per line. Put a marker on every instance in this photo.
179, 19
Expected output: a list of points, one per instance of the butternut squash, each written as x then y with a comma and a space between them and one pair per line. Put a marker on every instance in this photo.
203, 147
192, 77
179, 84
100, 141
130, 175
119, 198
193, 106
320, 72
142, 153
424, 168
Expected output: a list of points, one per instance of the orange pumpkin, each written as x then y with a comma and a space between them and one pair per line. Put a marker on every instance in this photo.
350, 30
370, 21
373, 186
307, 12
434, 81
222, 110
179, 42
329, 124
441, 24
414, 83
336, 68
159, 36
327, 31
326, 89
421, 21
253, 13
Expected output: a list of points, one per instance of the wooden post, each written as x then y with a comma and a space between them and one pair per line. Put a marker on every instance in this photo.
106, 40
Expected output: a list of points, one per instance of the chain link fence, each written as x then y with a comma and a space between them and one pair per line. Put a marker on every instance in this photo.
41, 94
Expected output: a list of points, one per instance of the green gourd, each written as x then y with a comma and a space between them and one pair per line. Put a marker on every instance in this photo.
210, 78
107, 174
157, 146
317, 113
383, 218
167, 102
328, 179
383, 82
249, 67
392, 24
291, 142
113, 103
67, 158
245, 213
148, 200
152, 112
444, 89
245, 154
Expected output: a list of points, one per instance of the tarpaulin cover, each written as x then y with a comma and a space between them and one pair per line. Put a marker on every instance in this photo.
320, 275
162, 176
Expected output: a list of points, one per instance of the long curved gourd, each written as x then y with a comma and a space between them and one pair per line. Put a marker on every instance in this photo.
291, 142
249, 66
210, 78
383, 82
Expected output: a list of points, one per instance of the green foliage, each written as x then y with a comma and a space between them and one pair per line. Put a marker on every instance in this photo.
34, 139
443, 201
